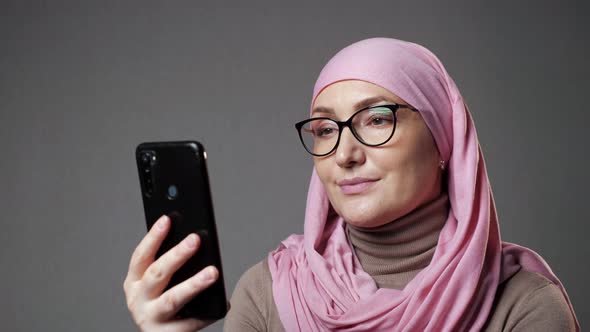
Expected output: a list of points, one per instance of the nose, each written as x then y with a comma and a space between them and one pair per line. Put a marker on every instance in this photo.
350, 151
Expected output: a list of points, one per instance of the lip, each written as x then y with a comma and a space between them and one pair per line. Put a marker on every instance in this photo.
355, 185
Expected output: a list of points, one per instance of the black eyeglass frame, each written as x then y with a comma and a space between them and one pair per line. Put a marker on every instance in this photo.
348, 123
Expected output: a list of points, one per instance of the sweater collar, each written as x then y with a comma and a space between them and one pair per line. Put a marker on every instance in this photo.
394, 253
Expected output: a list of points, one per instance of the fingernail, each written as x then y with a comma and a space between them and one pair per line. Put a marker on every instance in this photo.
210, 273
162, 222
191, 241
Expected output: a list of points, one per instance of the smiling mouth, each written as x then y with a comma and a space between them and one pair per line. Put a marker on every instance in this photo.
356, 187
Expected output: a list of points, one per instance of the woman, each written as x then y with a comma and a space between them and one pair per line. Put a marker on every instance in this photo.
401, 232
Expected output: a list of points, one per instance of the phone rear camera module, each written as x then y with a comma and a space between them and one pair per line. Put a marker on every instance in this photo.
148, 158
172, 192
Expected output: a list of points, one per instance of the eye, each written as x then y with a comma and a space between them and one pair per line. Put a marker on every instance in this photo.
322, 132
379, 120
376, 117
323, 128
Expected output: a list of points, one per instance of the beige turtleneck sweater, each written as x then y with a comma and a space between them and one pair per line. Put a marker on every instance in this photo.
393, 254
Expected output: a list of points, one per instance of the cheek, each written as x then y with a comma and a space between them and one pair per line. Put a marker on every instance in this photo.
410, 171
325, 172
416, 155
322, 167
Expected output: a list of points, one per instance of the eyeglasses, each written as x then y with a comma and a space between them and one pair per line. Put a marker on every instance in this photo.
372, 126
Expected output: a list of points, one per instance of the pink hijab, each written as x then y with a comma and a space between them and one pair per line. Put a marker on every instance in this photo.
318, 283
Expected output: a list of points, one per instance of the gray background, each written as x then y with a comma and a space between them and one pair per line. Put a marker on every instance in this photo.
82, 84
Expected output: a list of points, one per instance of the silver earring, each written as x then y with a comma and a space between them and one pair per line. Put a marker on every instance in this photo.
442, 164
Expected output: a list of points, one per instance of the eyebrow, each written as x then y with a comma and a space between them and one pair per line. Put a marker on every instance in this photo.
361, 104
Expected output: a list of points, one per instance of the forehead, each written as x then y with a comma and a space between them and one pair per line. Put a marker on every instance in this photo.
348, 96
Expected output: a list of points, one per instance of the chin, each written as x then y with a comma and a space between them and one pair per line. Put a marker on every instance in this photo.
368, 211
362, 216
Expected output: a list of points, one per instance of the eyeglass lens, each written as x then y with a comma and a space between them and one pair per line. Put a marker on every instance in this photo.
374, 126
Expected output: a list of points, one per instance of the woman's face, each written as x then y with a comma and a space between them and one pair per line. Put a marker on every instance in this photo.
401, 174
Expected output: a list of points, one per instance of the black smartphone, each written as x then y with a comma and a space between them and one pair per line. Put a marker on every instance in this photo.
174, 181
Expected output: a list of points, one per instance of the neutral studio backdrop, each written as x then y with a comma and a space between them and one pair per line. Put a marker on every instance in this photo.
81, 84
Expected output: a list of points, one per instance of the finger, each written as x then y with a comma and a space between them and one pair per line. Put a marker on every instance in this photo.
168, 304
187, 324
145, 252
159, 273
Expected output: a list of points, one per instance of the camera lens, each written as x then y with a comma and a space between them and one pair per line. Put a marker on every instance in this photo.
172, 192
145, 158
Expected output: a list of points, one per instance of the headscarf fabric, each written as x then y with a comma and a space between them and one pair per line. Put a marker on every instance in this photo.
319, 284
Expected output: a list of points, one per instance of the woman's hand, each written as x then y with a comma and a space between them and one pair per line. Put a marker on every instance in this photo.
151, 309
